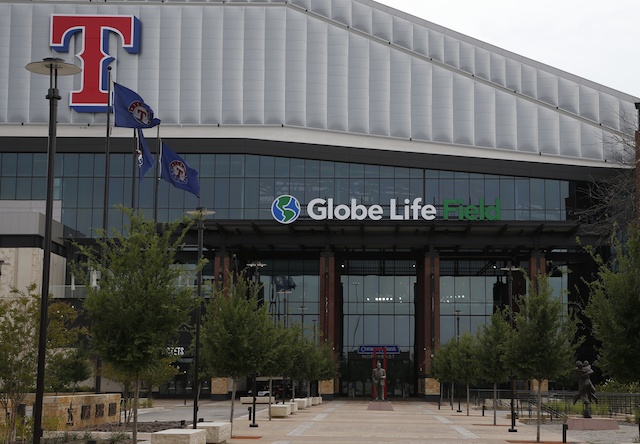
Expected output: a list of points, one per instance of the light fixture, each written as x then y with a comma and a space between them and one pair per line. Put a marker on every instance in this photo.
53, 67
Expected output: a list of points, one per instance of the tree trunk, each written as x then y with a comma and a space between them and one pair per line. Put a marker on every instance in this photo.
136, 398
495, 402
233, 398
539, 408
270, 395
467, 399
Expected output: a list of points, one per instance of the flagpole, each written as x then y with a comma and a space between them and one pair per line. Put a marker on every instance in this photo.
105, 204
157, 181
133, 170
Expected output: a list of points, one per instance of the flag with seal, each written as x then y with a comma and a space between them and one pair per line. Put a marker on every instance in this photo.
129, 109
176, 171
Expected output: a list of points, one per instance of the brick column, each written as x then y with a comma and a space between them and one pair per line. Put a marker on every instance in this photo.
330, 327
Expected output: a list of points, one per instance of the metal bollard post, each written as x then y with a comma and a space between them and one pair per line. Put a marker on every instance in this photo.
482, 409
564, 432
249, 413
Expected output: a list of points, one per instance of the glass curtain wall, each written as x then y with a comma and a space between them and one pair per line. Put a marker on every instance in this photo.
378, 311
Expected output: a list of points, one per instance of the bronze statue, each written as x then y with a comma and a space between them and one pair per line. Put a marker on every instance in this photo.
586, 390
378, 376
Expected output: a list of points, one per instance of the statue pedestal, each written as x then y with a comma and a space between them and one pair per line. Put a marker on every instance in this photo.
574, 423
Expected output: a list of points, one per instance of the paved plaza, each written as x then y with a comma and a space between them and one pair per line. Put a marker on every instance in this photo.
362, 421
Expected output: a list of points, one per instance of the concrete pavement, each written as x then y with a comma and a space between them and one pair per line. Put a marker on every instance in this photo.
359, 421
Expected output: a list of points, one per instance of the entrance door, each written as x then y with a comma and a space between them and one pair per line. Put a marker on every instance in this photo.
378, 307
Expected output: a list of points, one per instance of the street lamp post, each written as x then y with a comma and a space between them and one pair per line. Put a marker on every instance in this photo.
458, 340
510, 269
199, 215
255, 277
53, 67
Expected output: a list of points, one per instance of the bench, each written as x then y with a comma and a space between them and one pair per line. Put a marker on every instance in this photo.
217, 432
179, 436
294, 406
280, 410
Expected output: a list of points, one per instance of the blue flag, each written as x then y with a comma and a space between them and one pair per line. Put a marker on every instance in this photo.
130, 111
176, 171
145, 160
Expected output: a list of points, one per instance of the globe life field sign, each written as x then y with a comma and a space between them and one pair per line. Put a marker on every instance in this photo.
286, 209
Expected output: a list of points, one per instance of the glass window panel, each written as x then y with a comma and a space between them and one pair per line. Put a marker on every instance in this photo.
40, 165
371, 171
312, 168
120, 165
9, 164
282, 186
207, 193
116, 192
85, 193
98, 165
236, 193
282, 167
85, 162
476, 322
370, 330
447, 329
387, 191
342, 169
327, 188
70, 165
222, 165
402, 173
387, 172
25, 163
462, 189
207, 165
476, 190
372, 192
70, 193
342, 192
416, 173
267, 166
507, 193
39, 188
326, 169
432, 192
356, 170
236, 165
491, 188
416, 188
447, 293
23, 192
537, 199
252, 193
446, 190
521, 199
221, 192
297, 167
312, 188
387, 330
402, 189
402, 331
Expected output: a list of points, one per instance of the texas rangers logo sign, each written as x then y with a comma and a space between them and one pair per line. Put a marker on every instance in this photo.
178, 171
93, 32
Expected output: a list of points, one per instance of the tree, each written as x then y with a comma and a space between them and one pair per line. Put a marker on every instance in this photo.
463, 361
66, 368
441, 366
237, 333
614, 310
543, 343
491, 350
19, 331
138, 308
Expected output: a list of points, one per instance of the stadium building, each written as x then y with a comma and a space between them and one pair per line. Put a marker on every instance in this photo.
390, 173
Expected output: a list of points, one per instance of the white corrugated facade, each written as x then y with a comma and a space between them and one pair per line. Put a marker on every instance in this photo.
344, 67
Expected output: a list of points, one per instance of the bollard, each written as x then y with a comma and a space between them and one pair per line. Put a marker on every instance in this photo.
564, 432
249, 413
482, 409
183, 422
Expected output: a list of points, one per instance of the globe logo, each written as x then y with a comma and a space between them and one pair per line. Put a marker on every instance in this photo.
285, 209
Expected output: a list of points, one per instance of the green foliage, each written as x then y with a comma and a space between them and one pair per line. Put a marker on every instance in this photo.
463, 353
543, 343
238, 336
613, 386
441, 367
138, 308
491, 350
66, 368
614, 310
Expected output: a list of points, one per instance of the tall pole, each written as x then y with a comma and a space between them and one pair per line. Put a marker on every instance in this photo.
512, 381
199, 214
458, 340
53, 67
